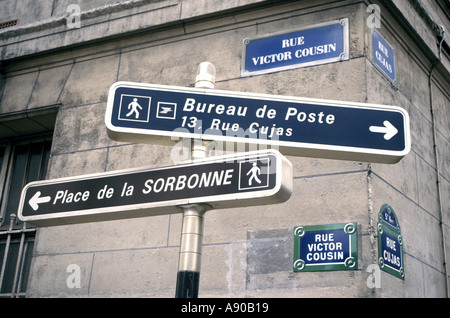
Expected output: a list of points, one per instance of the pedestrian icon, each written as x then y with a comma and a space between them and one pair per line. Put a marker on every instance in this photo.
134, 106
254, 174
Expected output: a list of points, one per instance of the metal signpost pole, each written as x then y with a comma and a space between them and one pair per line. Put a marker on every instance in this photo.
189, 264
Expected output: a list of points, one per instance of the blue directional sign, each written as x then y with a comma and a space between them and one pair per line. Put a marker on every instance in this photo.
383, 57
318, 44
297, 126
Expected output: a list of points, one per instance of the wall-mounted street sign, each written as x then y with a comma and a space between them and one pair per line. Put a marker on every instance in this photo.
316, 44
325, 247
383, 57
297, 126
390, 243
254, 178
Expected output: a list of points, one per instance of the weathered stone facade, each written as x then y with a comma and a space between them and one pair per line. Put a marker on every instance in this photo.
247, 252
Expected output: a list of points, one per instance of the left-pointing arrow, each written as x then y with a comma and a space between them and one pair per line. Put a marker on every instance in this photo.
36, 200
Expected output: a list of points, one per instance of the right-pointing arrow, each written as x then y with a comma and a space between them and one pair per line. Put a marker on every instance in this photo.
36, 200
388, 130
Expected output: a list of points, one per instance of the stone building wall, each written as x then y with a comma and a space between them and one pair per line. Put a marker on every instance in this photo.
247, 252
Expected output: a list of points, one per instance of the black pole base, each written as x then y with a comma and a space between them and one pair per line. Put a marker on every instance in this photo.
187, 284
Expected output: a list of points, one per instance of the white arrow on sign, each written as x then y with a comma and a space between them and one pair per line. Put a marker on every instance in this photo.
36, 200
389, 130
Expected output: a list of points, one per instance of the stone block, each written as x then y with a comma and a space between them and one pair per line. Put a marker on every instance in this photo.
441, 109
80, 128
304, 167
90, 80
195, 8
135, 273
103, 236
332, 77
400, 177
427, 188
54, 278
421, 135
223, 272
443, 145
29, 11
445, 201
49, 85
381, 91
420, 229
7, 9
78, 163
16, 100
60, 6
269, 251
341, 198
138, 155
421, 96
180, 67
158, 69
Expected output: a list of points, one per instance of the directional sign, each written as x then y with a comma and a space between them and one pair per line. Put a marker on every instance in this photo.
254, 178
297, 126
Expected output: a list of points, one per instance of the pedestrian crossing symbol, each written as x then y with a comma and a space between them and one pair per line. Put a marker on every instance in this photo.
135, 108
254, 174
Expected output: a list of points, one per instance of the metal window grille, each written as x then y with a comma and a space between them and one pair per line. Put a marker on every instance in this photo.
20, 163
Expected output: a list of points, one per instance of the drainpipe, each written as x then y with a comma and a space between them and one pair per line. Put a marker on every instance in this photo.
441, 35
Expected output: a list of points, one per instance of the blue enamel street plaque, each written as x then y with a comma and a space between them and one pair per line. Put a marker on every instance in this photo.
318, 44
383, 57
296, 126
390, 243
325, 247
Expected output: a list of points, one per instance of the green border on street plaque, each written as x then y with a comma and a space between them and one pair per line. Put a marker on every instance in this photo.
331, 247
390, 243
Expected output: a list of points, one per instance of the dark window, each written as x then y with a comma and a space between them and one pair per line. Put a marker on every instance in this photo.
20, 163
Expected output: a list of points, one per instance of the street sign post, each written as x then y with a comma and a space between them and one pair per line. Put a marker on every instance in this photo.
296, 126
255, 178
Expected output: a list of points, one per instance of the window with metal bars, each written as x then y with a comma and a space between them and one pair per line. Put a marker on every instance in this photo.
20, 163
